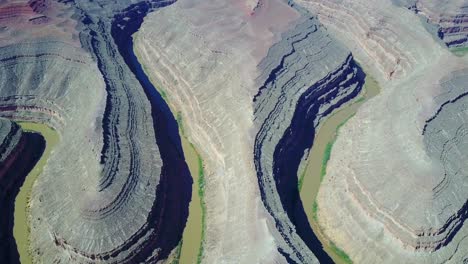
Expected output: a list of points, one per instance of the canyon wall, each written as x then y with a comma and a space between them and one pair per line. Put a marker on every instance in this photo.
305, 77
251, 89
447, 20
394, 189
19, 152
250, 83
108, 191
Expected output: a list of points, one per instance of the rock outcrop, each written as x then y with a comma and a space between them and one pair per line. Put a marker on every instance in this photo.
251, 81
391, 46
395, 189
109, 191
247, 87
203, 55
305, 77
450, 18
10, 136
19, 152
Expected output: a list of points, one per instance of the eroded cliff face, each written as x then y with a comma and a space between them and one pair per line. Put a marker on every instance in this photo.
19, 152
449, 18
445, 142
105, 192
251, 89
251, 82
203, 56
395, 178
305, 77
389, 46
25, 20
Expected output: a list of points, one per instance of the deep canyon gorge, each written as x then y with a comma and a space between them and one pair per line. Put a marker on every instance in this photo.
225, 131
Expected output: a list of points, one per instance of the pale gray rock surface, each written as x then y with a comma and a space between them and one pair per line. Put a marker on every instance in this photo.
450, 18
204, 56
251, 80
10, 135
395, 190
211, 72
306, 71
96, 198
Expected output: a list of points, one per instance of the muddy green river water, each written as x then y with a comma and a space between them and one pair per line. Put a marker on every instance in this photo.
315, 170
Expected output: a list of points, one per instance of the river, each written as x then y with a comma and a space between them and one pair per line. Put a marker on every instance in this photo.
21, 226
190, 249
315, 170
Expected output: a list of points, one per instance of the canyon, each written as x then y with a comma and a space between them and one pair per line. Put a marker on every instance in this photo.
187, 131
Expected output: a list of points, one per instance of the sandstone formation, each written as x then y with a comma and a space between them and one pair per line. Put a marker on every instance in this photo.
395, 189
446, 20
24, 20
203, 55
247, 86
10, 136
108, 191
19, 152
449, 17
375, 39
305, 76
10, 147
250, 83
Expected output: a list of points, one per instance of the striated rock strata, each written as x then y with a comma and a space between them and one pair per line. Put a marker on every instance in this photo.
390, 46
250, 89
203, 56
305, 76
19, 152
395, 189
450, 18
116, 188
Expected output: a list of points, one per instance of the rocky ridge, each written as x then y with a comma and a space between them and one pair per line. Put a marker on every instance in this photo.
389, 45
104, 202
10, 135
19, 152
395, 179
450, 18
224, 95
299, 74
203, 56
251, 81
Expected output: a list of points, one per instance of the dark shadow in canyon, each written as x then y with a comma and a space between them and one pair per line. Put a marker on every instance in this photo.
26, 155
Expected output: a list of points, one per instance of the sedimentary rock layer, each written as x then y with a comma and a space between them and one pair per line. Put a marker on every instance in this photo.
19, 152
395, 189
10, 135
448, 20
203, 55
450, 17
22, 20
391, 46
109, 191
250, 81
243, 98
305, 76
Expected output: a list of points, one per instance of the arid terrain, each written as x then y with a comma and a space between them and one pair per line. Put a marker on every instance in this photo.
234, 131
